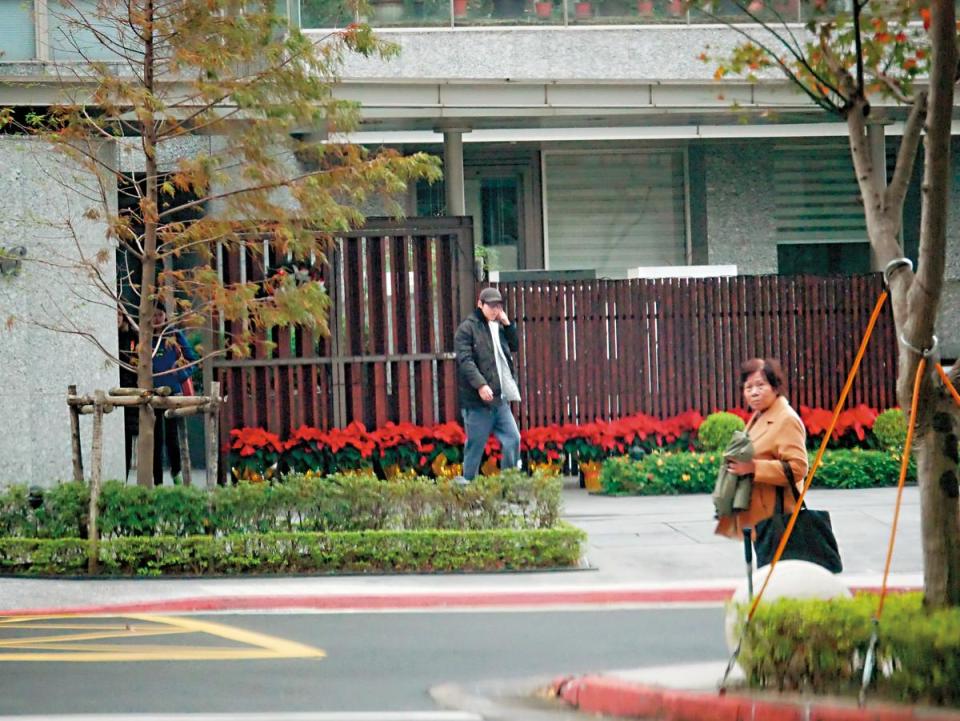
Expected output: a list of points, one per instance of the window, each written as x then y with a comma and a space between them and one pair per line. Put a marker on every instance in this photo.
823, 258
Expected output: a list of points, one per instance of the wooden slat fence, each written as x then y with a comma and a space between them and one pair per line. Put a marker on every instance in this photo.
398, 290
602, 349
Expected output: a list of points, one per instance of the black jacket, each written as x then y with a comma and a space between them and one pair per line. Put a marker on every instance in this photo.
476, 362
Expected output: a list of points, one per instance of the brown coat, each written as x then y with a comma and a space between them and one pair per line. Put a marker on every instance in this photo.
777, 435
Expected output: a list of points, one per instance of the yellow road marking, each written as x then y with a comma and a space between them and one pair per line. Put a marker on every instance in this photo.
94, 636
73, 647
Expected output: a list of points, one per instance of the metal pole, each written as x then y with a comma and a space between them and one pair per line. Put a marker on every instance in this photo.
748, 556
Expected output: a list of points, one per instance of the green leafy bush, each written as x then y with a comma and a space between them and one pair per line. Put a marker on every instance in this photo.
300, 503
820, 646
350, 551
661, 474
890, 429
675, 473
716, 430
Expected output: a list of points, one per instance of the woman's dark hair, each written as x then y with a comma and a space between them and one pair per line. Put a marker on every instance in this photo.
771, 371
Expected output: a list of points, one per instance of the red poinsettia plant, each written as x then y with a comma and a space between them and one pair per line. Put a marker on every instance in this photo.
444, 439
543, 444
852, 428
254, 453
350, 448
400, 445
305, 451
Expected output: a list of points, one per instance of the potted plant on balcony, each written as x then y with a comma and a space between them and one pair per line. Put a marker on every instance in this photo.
387, 11
645, 8
459, 8
583, 10
543, 9
676, 8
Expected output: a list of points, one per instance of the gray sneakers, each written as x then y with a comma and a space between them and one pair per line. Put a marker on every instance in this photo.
460, 481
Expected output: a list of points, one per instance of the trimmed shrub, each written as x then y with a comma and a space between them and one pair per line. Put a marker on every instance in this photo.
351, 551
820, 646
890, 429
675, 473
300, 503
715, 432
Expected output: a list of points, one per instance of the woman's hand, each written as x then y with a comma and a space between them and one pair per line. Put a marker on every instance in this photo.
741, 468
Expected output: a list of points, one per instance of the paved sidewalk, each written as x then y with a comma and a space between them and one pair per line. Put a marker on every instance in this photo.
640, 549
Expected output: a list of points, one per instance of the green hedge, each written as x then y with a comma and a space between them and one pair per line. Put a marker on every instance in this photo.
349, 551
820, 646
336, 503
675, 473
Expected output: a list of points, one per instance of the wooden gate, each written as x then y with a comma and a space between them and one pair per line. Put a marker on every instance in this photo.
398, 291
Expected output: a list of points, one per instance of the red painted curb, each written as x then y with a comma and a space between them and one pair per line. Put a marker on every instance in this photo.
616, 697
392, 601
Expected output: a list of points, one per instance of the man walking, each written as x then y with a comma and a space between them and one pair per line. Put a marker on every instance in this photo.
484, 343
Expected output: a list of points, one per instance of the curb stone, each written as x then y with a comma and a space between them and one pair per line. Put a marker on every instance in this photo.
615, 697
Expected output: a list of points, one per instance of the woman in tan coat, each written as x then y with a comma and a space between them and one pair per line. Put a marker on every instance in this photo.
778, 435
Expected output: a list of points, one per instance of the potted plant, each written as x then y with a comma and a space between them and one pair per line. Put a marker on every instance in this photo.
443, 449
543, 8
590, 444
305, 451
398, 449
645, 8
543, 447
492, 453
254, 454
583, 10
350, 449
676, 8
459, 8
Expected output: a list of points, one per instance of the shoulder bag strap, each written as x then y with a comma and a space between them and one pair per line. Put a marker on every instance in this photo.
788, 472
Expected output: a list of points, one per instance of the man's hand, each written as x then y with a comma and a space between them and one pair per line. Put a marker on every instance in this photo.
486, 393
504, 320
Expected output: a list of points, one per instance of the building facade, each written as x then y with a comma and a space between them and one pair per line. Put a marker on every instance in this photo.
577, 135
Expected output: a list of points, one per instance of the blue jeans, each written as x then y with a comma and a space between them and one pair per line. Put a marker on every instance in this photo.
479, 423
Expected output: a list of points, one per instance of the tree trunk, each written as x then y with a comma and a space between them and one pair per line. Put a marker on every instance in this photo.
940, 512
148, 278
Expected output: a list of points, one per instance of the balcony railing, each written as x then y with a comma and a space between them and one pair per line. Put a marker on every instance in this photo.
472, 13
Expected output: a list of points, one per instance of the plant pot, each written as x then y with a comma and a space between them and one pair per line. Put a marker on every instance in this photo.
676, 8
388, 11
788, 10
550, 469
490, 467
645, 8
755, 6
393, 472
583, 10
591, 475
543, 9
459, 8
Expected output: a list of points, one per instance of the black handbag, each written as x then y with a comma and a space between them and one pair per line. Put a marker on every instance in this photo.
812, 538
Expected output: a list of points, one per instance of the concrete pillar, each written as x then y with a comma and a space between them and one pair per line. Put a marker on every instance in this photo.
876, 140
453, 170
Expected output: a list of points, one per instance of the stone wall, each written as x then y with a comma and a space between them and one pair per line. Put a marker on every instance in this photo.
44, 213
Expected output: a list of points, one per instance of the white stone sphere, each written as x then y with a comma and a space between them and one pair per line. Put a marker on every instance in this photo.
791, 579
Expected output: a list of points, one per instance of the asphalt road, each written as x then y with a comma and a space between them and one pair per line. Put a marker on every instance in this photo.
372, 662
